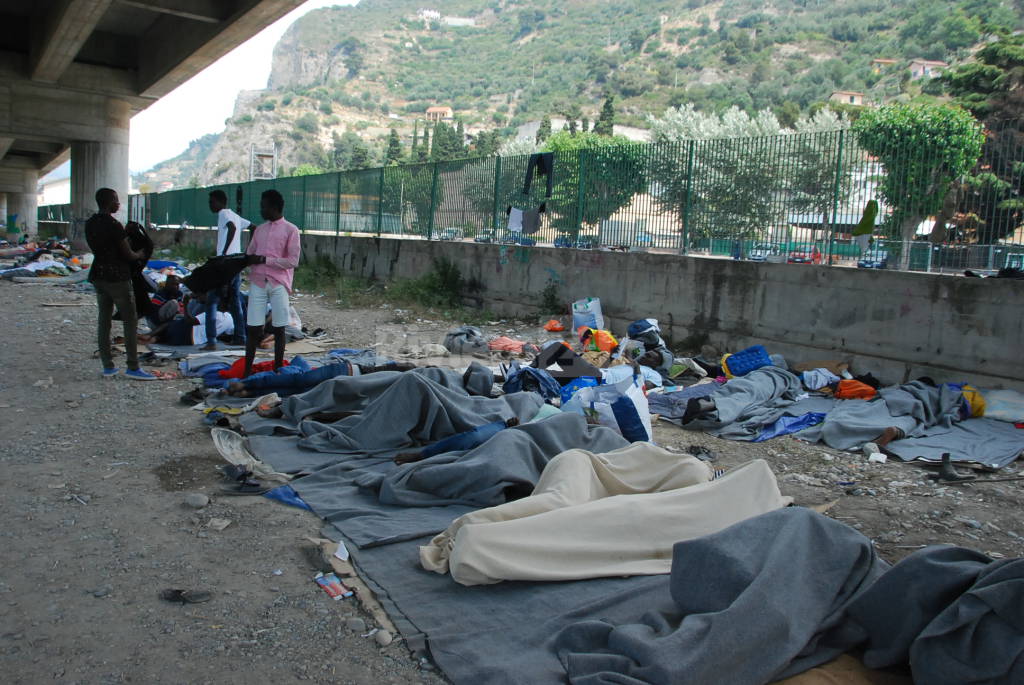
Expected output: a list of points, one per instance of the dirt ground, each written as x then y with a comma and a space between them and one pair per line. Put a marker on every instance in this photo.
95, 475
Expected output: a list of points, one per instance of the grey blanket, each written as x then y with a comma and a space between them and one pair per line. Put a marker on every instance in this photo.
753, 604
353, 393
744, 405
374, 502
789, 590
984, 441
504, 468
414, 411
916, 408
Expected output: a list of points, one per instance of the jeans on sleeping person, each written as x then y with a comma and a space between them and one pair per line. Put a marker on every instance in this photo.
296, 377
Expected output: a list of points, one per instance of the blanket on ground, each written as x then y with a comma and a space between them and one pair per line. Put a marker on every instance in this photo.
916, 408
744, 405
504, 468
354, 393
598, 515
414, 411
778, 594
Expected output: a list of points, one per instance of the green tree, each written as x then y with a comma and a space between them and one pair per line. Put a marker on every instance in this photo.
604, 126
992, 88
306, 170
487, 143
410, 194
544, 130
446, 144
725, 195
308, 123
924, 149
394, 153
349, 151
612, 170
423, 152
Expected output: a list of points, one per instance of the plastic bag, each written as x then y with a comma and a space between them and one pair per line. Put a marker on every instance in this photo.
570, 388
587, 312
465, 340
620, 406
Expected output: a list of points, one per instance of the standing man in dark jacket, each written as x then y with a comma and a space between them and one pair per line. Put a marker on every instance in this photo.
111, 275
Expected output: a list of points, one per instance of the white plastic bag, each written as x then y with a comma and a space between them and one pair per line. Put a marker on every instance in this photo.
587, 312
620, 406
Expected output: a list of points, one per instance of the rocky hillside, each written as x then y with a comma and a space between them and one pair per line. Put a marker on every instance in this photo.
363, 69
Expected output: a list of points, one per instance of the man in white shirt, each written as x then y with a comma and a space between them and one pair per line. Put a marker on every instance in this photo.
229, 241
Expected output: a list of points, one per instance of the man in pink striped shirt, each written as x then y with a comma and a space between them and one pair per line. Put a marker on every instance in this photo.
273, 254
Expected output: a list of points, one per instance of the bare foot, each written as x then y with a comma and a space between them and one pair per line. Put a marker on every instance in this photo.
408, 457
888, 435
236, 388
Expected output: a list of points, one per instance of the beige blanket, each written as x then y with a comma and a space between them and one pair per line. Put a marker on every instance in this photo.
595, 515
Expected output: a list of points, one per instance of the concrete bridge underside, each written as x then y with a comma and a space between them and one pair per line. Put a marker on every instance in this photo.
74, 72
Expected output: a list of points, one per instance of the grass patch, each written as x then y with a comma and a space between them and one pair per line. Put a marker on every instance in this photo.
188, 253
435, 295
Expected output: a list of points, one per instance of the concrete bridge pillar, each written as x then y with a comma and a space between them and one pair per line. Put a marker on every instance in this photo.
100, 164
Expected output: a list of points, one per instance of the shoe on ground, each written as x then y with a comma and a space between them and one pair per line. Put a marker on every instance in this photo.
139, 375
110, 373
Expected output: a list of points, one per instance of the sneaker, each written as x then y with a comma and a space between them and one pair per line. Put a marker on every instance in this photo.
110, 373
139, 375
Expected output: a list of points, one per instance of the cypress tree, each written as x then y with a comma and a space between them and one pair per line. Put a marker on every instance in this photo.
544, 130
606, 120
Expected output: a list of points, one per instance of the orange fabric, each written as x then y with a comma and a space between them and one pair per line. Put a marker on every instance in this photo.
506, 344
597, 340
553, 326
854, 390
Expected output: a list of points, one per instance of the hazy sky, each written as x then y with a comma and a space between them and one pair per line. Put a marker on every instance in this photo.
201, 105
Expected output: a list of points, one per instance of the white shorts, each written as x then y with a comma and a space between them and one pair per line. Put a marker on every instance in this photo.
273, 294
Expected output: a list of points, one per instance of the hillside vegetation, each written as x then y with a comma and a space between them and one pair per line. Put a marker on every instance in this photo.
355, 69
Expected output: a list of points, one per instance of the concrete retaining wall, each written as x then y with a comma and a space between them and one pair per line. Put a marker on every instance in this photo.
897, 325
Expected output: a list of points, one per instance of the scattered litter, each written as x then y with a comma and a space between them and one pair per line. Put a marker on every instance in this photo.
341, 552
185, 596
357, 625
877, 458
218, 524
43, 383
333, 586
383, 638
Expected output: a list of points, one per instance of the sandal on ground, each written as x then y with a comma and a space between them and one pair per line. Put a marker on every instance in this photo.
185, 596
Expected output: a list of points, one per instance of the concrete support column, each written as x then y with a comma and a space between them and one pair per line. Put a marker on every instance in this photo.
3, 212
26, 206
96, 165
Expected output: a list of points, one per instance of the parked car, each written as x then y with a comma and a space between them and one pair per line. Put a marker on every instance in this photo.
484, 237
874, 259
762, 251
448, 234
804, 254
515, 238
580, 242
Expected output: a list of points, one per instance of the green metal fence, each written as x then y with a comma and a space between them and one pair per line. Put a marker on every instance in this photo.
794, 197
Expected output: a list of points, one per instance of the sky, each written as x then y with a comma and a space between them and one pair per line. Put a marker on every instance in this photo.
200, 105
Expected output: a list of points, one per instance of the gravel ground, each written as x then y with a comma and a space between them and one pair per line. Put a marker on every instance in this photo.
97, 470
